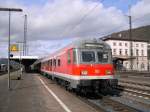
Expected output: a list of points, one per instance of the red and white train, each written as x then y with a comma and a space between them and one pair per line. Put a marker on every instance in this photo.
84, 64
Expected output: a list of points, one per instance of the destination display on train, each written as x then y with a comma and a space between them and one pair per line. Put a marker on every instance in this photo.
93, 45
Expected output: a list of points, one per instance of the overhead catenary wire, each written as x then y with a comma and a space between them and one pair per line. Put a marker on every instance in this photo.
121, 26
83, 18
136, 19
90, 11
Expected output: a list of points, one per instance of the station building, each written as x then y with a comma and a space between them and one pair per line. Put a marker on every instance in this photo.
26, 61
121, 49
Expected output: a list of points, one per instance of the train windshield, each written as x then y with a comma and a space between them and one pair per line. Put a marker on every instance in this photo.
88, 56
102, 57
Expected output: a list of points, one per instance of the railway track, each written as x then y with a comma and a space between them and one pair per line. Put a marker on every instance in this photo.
109, 105
103, 103
139, 89
135, 92
106, 103
126, 74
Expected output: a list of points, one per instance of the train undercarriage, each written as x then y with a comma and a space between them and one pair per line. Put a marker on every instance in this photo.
103, 86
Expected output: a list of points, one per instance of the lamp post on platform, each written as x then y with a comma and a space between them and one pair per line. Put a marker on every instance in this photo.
25, 36
9, 10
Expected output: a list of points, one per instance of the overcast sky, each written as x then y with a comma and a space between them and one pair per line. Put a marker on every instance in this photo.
54, 23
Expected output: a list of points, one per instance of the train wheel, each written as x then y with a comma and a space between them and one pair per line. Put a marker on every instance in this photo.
107, 87
78, 90
68, 88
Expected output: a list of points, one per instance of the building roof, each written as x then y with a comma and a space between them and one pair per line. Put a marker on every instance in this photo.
121, 37
141, 34
25, 57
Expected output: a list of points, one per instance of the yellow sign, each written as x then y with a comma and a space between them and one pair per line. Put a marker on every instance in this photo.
14, 48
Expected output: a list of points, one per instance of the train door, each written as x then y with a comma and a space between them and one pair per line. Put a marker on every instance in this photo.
50, 65
54, 66
69, 61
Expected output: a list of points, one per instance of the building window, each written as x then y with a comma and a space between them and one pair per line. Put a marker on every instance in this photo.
126, 51
137, 45
126, 44
137, 52
120, 51
120, 44
142, 52
114, 51
114, 43
142, 66
142, 45
126, 64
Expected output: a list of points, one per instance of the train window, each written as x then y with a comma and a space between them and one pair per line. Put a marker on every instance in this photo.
51, 62
69, 57
88, 56
47, 63
58, 62
44, 63
54, 62
74, 56
102, 57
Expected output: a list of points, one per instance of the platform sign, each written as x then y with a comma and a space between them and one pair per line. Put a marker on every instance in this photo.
14, 48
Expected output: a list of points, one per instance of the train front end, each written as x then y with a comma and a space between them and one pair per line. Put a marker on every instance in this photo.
94, 66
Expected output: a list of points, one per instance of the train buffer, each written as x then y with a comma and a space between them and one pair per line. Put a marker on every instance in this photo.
35, 93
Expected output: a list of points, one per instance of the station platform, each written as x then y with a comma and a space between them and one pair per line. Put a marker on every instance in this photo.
35, 93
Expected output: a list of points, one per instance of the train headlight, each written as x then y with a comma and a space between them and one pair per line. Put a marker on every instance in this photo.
97, 71
108, 72
84, 72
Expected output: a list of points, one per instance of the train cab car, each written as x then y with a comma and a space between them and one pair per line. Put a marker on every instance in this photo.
85, 63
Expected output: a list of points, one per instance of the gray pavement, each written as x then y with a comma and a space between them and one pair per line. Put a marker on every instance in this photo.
30, 95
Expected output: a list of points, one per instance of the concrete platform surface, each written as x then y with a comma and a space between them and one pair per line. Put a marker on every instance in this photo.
35, 93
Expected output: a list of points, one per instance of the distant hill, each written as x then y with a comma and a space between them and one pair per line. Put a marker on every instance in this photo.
141, 33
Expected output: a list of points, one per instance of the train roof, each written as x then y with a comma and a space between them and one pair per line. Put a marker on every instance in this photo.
80, 43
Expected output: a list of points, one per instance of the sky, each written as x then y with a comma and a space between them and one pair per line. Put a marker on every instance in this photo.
52, 24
